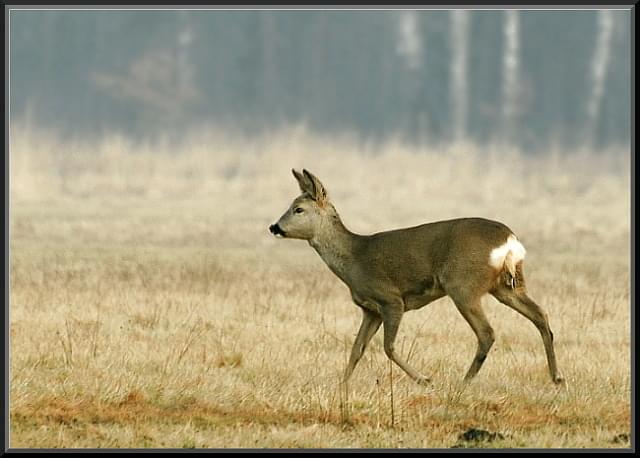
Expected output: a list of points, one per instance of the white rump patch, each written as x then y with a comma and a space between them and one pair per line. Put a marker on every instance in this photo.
511, 253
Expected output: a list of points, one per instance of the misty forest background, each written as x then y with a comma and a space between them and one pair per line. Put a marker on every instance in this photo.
534, 79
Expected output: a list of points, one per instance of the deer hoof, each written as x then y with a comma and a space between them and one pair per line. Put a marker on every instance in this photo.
424, 381
559, 380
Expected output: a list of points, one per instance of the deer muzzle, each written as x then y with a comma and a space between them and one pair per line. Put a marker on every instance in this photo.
276, 230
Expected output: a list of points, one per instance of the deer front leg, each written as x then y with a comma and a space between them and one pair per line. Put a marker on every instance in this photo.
369, 326
391, 316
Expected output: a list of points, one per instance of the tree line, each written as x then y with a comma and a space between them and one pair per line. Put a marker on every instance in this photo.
376, 73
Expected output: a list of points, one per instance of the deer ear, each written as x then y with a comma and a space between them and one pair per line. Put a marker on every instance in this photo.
305, 184
317, 192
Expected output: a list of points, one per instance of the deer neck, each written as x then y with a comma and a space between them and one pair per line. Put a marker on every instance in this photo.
336, 246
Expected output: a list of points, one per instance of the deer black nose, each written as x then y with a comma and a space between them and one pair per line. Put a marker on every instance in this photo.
275, 229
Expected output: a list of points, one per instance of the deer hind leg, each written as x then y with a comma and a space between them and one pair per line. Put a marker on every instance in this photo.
472, 312
370, 325
391, 316
518, 300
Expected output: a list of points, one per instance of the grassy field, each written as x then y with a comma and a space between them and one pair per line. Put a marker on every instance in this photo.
150, 306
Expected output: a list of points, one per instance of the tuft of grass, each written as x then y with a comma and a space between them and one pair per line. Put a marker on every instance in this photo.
232, 360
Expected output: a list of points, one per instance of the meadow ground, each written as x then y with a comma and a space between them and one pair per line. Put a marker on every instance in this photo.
150, 306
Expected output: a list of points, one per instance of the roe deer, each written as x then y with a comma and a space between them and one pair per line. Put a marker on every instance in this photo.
394, 271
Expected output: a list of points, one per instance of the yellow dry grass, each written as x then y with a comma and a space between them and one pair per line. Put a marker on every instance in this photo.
150, 307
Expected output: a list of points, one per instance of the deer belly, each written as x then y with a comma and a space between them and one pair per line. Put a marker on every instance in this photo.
422, 293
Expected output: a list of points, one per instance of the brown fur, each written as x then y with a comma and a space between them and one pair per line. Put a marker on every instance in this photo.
392, 272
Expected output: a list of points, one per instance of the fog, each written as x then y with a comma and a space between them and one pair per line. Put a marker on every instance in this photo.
529, 78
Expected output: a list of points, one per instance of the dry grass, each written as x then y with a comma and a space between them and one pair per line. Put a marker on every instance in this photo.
150, 307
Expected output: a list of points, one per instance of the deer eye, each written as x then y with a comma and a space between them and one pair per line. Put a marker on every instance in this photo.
298, 210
